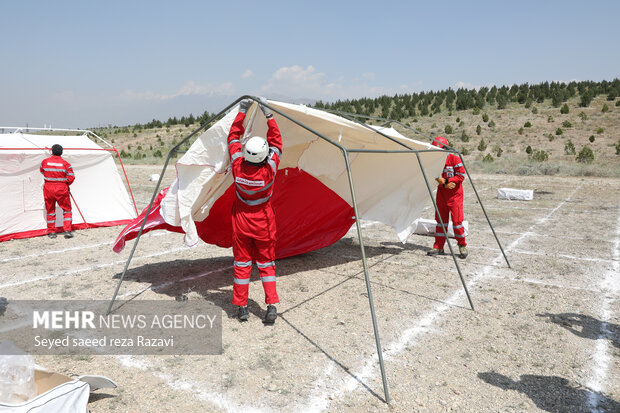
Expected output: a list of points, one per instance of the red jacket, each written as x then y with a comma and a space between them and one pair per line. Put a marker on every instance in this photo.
252, 212
453, 171
57, 171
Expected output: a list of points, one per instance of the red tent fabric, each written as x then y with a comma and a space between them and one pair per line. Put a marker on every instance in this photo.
309, 216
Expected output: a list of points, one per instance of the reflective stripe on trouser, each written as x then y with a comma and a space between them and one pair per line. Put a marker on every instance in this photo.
57, 194
246, 250
447, 208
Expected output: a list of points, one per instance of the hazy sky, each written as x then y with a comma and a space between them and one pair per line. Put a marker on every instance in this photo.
92, 63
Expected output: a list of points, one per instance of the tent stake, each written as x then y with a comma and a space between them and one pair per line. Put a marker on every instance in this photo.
367, 278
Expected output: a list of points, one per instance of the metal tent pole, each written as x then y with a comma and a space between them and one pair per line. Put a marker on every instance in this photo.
417, 153
445, 231
471, 181
148, 210
484, 211
367, 278
359, 232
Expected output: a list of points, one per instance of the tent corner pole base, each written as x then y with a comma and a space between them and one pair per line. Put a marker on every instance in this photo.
367, 280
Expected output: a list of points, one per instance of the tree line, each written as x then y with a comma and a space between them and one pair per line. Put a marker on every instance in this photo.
402, 106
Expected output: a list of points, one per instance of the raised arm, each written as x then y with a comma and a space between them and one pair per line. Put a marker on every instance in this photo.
236, 130
274, 138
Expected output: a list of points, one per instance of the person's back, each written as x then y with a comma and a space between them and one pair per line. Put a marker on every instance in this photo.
57, 175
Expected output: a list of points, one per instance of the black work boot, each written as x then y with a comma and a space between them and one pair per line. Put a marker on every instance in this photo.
463, 252
244, 313
68, 234
271, 314
434, 252
52, 235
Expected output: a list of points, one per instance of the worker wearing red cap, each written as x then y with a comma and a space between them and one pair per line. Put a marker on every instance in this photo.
449, 201
58, 175
254, 167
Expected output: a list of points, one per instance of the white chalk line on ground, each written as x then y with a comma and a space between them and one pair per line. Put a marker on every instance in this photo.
196, 389
559, 236
351, 382
540, 254
93, 267
611, 285
83, 247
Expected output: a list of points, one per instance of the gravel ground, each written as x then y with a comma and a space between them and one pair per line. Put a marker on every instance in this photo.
544, 336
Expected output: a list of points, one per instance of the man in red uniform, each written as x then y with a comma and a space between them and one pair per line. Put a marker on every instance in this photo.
254, 167
450, 202
58, 175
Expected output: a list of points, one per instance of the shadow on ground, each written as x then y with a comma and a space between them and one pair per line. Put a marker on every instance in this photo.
552, 393
212, 277
586, 326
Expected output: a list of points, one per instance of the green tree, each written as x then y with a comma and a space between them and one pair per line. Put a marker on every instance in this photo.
559, 131
564, 110
482, 146
586, 99
448, 129
583, 116
485, 117
528, 150
585, 155
464, 137
567, 124
527, 124
520, 131
491, 124
605, 108
540, 155
487, 158
591, 138
569, 148
478, 130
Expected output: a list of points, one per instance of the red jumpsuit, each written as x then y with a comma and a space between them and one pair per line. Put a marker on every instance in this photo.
450, 202
253, 220
58, 175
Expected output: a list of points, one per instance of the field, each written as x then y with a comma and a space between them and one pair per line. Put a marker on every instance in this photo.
545, 334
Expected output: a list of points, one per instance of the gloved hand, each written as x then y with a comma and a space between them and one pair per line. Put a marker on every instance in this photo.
440, 181
451, 185
265, 109
244, 105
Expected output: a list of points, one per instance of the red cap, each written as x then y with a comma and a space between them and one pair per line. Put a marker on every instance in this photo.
440, 141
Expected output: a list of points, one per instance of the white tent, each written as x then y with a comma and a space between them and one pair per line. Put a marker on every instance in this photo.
312, 199
99, 197
333, 172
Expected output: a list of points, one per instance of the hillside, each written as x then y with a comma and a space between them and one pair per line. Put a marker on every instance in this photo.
543, 136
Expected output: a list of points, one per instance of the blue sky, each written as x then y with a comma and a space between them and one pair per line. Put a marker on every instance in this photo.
87, 64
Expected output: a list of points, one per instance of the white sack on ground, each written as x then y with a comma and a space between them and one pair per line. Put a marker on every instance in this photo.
515, 194
427, 227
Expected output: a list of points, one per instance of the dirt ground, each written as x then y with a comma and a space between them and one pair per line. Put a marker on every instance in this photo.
544, 336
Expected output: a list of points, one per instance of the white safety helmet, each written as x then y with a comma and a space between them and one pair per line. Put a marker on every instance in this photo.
255, 149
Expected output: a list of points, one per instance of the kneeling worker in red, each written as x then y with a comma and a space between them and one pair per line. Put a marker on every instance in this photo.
58, 175
449, 201
254, 166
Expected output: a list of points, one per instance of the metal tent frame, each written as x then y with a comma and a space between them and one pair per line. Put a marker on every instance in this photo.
345, 152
